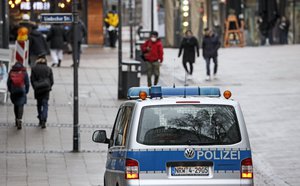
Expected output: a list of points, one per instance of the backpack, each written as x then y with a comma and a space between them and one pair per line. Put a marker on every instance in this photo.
17, 81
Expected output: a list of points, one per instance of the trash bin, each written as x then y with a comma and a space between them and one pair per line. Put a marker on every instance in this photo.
138, 53
131, 73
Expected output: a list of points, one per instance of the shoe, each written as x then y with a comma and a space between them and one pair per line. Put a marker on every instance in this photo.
189, 77
215, 76
59, 62
53, 65
207, 78
19, 124
43, 124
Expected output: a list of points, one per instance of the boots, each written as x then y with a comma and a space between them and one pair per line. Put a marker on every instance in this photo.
59, 62
43, 124
19, 124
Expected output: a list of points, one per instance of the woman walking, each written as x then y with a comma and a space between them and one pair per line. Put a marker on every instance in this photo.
190, 46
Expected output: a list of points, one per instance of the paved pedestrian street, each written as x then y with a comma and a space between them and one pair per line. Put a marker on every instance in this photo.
265, 80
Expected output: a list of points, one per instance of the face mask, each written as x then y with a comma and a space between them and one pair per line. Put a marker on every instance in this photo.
153, 39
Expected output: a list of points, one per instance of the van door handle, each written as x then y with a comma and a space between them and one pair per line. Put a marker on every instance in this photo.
110, 152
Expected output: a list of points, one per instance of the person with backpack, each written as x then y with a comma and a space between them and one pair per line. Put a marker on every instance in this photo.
18, 86
42, 82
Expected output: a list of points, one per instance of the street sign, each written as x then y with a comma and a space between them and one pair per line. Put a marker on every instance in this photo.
57, 18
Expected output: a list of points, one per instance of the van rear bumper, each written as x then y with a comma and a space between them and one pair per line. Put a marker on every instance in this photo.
191, 182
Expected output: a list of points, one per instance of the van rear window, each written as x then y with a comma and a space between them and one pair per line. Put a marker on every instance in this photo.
188, 125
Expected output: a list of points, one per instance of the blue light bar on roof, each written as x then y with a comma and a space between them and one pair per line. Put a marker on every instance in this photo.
133, 93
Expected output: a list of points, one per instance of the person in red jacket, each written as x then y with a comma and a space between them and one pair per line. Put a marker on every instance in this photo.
153, 54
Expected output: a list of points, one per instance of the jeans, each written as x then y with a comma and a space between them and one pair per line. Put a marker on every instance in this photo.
152, 68
42, 108
215, 60
18, 110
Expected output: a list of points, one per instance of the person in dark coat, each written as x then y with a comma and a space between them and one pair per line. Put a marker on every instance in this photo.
284, 26
190, 47
81, 35
42, 73
57, 38
210, 47
18, 95
37, 45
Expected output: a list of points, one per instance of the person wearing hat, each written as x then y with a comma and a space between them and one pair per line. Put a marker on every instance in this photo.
153, 54
42, 81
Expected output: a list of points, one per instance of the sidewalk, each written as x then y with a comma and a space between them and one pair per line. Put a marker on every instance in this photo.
265, 80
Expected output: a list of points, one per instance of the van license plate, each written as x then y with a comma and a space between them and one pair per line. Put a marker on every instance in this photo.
190, 171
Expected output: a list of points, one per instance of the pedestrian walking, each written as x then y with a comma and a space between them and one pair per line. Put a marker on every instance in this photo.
111, 22
210, 47
42, 82
57, 38
284, 26
18, 86
37, 45
152, 51
81, 35
190, 46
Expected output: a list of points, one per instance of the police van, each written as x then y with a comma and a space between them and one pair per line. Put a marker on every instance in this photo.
183, 136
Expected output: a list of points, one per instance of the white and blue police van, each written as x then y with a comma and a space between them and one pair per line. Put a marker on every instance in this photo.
183, 136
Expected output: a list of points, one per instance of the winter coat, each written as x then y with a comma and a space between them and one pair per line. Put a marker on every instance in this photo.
112, 19
57, 37
18, 99
81, 34
39, 72
210, 46
37, 44
189, 46
153, 51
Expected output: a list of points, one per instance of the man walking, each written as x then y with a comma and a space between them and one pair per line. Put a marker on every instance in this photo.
153, 54
18, 86
210, 46
42, 82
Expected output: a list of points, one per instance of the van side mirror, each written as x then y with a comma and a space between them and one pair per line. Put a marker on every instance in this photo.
99, 136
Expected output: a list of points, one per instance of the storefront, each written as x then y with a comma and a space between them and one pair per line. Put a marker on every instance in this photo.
180, 15
90, 12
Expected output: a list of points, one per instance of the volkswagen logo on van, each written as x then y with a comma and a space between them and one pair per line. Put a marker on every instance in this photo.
189, 153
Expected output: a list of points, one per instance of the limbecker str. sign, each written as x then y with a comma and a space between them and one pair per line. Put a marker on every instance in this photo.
57, 18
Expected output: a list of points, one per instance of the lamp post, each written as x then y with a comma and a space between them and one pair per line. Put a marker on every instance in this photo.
76, 136
4, 28
131, 28
152, 16
120, 89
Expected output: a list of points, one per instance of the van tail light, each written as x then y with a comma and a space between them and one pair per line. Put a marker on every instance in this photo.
132, 169
247, 169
